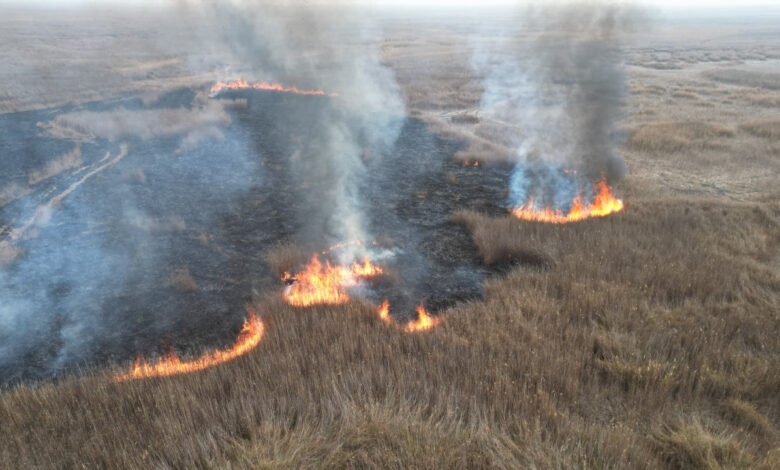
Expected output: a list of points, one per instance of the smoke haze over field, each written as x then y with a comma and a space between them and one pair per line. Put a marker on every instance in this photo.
98, 199
108, 203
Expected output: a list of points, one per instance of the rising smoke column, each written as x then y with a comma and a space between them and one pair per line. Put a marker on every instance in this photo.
563, 85
329, 48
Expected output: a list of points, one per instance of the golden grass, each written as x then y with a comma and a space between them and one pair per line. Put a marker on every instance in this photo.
658, 314
768, 100
501, 242
745, 413
765, 129
477, 148
286, 258
648, 339
692, 446
747, 78
685, 95
678, 137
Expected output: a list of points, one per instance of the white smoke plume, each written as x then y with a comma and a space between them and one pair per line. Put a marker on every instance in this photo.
561, 82
335, 49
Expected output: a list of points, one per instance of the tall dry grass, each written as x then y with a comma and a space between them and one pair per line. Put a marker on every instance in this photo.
649, 339
765, 129
747, 78
678, 137
651, 343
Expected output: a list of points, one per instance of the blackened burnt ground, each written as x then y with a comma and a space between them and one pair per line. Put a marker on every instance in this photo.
96, 280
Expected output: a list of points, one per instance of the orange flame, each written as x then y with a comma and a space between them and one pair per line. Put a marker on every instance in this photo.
384, 312
327, 284
603, 204
249, 337
424, 320
242, 84
366, 269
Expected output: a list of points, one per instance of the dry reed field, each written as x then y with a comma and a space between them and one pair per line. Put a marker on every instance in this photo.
652, 343
646, 339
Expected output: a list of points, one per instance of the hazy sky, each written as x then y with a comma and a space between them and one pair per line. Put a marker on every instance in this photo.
443, 3
767, 10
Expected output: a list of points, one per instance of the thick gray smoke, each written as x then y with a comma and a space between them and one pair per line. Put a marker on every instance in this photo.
562, 83
333, 49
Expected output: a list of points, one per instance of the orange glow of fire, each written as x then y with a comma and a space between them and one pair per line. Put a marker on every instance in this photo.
603, 204
366, 269
242, 84
327, 284
249, 337
384, 312
471, 163
424, 320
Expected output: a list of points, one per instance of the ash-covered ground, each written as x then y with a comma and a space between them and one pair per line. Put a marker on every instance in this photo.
123, 244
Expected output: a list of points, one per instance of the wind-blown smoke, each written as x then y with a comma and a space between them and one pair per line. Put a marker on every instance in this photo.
316, 48
562, 84
100, 202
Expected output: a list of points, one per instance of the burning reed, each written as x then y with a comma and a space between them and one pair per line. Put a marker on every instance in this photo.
248, 338
564, 90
